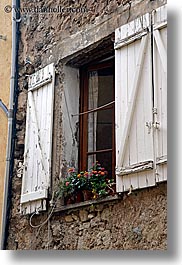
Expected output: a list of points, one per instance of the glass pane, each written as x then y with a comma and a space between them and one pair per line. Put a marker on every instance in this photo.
105, 159
100, 122
100, 130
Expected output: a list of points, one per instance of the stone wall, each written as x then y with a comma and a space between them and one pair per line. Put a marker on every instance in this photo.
135, 222
138, 221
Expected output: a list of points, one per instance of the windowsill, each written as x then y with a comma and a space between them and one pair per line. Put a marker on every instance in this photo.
116, 197
87, 203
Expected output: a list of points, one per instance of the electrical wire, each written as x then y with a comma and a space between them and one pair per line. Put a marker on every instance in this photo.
96, 109
43, 223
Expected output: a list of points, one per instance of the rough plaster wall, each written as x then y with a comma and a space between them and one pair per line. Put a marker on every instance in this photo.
46, 39
138, 222
54, 36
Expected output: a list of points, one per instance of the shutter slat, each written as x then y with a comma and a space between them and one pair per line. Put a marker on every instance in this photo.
160, 81
132, 101
161, 49
33, 196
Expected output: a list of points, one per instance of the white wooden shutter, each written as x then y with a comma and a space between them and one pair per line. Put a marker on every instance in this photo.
160, 91
134, 103
38, 141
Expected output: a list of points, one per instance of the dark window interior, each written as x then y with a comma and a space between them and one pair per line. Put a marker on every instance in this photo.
97, 141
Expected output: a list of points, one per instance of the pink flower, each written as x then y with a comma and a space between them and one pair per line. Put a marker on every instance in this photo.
67, 183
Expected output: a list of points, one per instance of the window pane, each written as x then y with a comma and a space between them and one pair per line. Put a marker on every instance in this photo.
100, 130
100, 122
105, 159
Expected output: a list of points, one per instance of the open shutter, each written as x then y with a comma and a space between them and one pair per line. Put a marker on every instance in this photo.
38, 141
160, 91
141, 101
133, 101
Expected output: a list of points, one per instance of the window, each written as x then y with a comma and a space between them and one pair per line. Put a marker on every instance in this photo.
97, 122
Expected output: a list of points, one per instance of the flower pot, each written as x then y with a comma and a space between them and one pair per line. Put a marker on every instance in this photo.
69, 200
87, 195
79, 197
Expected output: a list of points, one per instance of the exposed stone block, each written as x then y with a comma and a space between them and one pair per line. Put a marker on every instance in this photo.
83, 214
68, 218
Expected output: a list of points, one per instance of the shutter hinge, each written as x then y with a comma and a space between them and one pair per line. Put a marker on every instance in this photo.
148, 124
154, 110
156, 125
151, 125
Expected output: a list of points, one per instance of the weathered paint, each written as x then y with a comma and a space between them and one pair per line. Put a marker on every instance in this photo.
5, 72
141, 120
70, 123
38, 141
160, 92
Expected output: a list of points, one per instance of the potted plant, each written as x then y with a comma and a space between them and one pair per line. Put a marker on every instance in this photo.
66, 190
86, 185
72, 186
101, 183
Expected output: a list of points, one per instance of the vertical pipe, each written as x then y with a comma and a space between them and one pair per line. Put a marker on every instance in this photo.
10, 126
154, 94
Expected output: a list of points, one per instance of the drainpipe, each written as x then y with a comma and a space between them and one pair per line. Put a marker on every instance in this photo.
4, 108
5, 212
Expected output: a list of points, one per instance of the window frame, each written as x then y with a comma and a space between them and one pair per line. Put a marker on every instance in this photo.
83, 120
